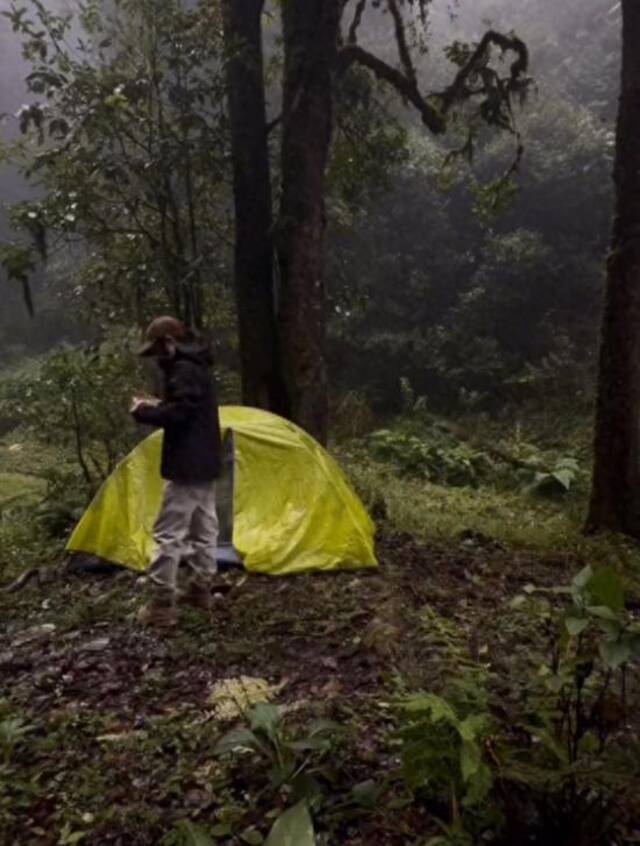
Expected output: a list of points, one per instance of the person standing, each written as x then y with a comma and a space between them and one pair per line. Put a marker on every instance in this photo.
186, 529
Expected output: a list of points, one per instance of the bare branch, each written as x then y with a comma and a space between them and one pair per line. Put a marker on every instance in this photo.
460, 90
432, 118
273, 124
357, 20
401, 40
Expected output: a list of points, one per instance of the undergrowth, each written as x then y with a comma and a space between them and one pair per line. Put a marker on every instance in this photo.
438, 481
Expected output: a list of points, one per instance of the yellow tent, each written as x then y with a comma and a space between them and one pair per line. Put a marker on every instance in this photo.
283, 502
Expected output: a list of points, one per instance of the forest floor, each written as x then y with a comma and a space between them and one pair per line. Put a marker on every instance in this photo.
121, 724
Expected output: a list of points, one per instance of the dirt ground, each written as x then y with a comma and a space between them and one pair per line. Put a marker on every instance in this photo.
121, 724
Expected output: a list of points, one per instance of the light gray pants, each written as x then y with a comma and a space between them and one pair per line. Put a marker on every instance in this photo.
186, 530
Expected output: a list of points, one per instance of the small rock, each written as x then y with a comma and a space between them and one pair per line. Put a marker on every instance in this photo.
98, 645
42, 632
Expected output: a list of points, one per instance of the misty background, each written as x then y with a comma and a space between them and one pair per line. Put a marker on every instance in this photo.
574, 49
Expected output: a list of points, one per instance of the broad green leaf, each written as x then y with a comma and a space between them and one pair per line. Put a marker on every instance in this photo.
564, 478
603, 612
236, 739
293, 828
552, 743
192, 834
583, 578
634, 644
589, 744
615, 653
310, 744
479, 786
265, 717
472, 726
323, 727
611, 629
576, 625
606, 588
366, 793
438, 708
252, 836
470, 759
307, 787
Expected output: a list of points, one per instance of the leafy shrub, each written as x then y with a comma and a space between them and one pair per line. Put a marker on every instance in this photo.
548, 761
294, 759
575, 759
560, 479
297, 764
455, 464
76, 402
352, 416
13, 730
443, 751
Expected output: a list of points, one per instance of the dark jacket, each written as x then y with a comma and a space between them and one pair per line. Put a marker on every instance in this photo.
188, 414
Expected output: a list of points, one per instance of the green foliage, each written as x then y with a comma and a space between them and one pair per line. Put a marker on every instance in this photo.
457, 465
370, 144
70, 426
443, 750
187, 833
18, 262
294, 826
132, 154
498, 301
547, 739
573, 712
559, 480
295, 759
78, 402
13, 730
298, 763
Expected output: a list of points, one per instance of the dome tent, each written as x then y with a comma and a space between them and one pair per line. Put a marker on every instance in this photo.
283, 503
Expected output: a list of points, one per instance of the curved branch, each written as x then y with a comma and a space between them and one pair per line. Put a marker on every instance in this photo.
401, 40
432, 118
357, 20
459, 89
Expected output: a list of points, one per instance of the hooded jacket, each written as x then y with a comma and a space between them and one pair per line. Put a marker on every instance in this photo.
188, 414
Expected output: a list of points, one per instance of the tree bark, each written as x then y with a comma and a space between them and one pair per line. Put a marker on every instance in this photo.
310, 44
262, 381
615, 495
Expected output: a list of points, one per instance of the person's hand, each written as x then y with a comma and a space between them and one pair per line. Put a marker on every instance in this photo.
137, 401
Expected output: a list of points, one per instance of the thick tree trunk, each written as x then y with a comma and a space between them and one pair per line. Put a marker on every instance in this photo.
615, 496
262, 380
310, 39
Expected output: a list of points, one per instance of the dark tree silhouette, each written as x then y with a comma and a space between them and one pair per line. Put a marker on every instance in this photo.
615, 495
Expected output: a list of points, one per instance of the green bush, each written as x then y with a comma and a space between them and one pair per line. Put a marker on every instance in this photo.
548, 751
77, 403
455, 464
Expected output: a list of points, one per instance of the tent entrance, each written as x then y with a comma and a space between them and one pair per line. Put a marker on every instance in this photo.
226, 553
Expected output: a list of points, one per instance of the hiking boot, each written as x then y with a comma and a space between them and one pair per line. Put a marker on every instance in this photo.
158, 612
197, 594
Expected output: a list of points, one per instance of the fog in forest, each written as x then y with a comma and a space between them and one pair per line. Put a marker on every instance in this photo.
574, 56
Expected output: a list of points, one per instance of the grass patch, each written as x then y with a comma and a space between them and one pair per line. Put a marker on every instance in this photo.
19, 489
516, 519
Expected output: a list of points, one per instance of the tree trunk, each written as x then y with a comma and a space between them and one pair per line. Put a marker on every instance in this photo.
615, 495
310, 44
262, 381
